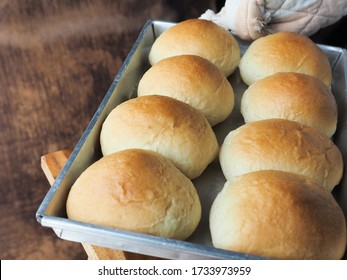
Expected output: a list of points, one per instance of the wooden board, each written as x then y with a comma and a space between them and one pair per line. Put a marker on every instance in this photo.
51, 165
57, 61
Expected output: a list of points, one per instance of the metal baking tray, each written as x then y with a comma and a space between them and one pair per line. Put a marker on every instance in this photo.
52, 212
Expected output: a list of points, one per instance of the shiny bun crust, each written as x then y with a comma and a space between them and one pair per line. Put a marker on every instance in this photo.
278, 215
284, 52
293, 96
193, 80
198, 37
162, 124
136, 190
279, 144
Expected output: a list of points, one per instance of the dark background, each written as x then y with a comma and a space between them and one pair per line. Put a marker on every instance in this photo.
57, 60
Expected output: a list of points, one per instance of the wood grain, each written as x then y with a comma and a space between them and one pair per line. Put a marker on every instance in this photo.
52, 164
57, 60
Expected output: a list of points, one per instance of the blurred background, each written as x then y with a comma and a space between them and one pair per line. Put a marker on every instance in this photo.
57, 61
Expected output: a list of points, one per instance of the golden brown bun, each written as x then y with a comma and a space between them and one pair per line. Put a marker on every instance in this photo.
136, 190
193, 80
284, 52
165, 125
279, 144
278, 215
293, 96
198, 37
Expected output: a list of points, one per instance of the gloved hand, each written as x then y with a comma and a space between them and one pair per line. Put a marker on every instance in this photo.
251, 19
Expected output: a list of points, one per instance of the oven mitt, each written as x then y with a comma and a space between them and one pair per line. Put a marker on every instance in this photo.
251, 19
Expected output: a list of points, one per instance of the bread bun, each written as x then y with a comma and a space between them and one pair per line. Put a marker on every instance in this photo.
165, 125
279, 144
278, 215
193, 80
198, 37
136, 190
293, 96
284, 52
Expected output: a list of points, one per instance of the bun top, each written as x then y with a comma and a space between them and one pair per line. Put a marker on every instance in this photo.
198, 37
284, 52
279, 144
193, 80
278, 215
293, 96
165, 125
136, 190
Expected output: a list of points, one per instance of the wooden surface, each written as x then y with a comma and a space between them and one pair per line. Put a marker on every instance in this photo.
57, 61
51, 165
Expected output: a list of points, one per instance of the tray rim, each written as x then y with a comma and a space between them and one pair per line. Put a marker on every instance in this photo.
59, 225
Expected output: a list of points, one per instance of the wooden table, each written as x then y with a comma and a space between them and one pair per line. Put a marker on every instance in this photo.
57, 61
51, 165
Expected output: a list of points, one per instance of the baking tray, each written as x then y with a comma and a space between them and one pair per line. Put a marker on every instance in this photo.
52, 211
